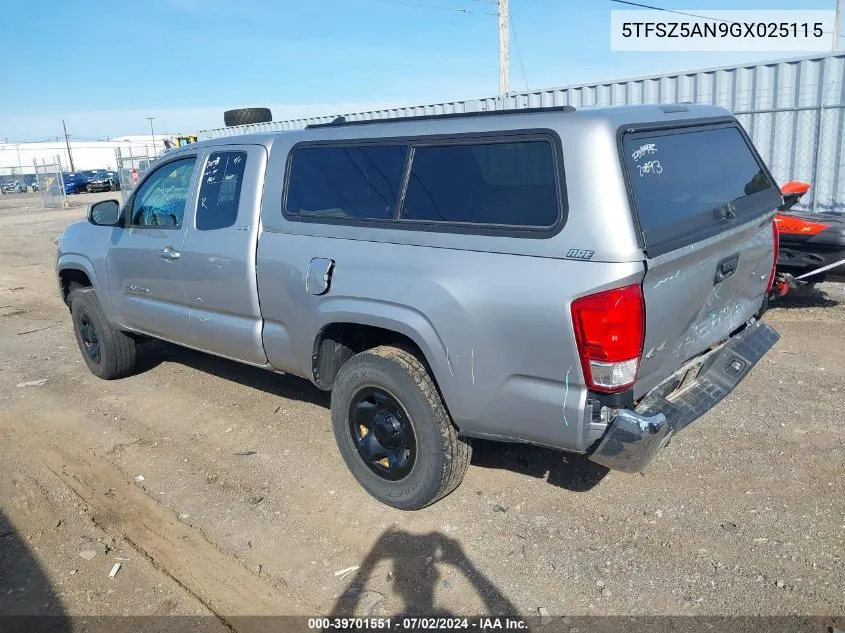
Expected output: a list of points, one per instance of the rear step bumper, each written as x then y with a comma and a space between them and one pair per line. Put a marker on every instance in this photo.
634, 437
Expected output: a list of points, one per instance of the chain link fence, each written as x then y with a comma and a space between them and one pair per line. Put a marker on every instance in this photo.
830, 171
131, 167
803, 144
50, 183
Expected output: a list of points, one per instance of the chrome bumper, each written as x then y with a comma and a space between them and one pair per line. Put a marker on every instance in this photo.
633, 438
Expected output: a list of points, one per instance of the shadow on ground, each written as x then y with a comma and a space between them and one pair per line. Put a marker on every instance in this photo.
410, 567
153, 353
808, 296
25, 590
564, 470
569, 471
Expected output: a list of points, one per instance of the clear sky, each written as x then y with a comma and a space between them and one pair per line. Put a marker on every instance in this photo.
106, 66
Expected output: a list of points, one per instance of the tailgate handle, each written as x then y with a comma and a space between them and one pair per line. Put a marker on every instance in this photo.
726, 268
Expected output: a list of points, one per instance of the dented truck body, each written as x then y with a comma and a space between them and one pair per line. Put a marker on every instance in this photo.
591, 282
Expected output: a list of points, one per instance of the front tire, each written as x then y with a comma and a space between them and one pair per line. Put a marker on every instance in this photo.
108, 352
393, 431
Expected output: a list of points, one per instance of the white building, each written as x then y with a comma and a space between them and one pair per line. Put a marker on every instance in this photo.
17, 158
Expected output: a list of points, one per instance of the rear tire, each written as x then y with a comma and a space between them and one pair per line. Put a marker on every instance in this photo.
245, 116
440, 457
108, 352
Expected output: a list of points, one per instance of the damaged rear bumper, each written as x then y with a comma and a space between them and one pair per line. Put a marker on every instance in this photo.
633, 438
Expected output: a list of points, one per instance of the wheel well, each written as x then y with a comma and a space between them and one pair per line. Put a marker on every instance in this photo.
338, 342
71, 279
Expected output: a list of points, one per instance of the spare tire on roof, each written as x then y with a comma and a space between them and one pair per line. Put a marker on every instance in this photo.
244, 116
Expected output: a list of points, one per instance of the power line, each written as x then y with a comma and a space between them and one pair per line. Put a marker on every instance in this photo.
653, 8
519, 53
505, 24
435, 7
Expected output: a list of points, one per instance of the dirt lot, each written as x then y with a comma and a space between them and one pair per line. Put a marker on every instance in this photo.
218, 488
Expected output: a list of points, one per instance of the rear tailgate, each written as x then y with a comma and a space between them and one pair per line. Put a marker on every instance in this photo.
704, 202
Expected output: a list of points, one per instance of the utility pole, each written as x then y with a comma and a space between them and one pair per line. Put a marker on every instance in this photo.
504, 47
67, 143
150, 119
837, 21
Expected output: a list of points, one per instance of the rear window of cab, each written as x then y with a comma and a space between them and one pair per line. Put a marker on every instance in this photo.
505, 183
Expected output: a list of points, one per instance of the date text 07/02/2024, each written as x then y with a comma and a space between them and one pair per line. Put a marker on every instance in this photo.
418, 624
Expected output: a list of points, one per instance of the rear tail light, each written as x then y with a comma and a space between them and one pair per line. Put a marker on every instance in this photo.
609, 330
776, 238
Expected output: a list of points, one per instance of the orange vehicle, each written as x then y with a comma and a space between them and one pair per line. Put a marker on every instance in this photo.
812, 245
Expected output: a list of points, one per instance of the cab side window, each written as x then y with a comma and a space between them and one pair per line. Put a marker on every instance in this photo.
220, 190
160, 200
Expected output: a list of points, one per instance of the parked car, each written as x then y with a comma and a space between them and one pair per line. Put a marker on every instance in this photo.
13, 186
100, 182
93, 173
75, 182
29, 180
115, 180
590, 281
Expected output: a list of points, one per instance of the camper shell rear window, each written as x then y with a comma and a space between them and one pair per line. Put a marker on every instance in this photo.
690, 183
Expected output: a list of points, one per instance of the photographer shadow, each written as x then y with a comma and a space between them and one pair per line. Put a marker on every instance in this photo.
29, 602
415, 562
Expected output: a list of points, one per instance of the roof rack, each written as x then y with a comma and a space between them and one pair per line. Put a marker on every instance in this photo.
342, 122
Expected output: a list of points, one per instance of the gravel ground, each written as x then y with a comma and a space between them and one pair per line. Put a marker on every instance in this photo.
199, 474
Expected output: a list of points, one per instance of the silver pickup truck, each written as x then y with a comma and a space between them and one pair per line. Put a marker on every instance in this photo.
588, 280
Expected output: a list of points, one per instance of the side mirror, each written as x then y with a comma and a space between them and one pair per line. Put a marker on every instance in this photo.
105, 213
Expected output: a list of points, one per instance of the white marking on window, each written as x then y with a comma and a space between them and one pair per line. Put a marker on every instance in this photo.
644, 150
650, 167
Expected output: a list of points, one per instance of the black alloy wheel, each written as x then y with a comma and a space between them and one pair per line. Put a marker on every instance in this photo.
382, 433
90, 340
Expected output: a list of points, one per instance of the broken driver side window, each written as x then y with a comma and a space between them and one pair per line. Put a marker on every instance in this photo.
220, 190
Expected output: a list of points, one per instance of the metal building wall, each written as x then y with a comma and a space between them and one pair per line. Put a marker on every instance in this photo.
793, 109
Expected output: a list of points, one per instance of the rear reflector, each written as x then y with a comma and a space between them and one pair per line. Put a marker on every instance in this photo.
614, 375
609, 329
776, 237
